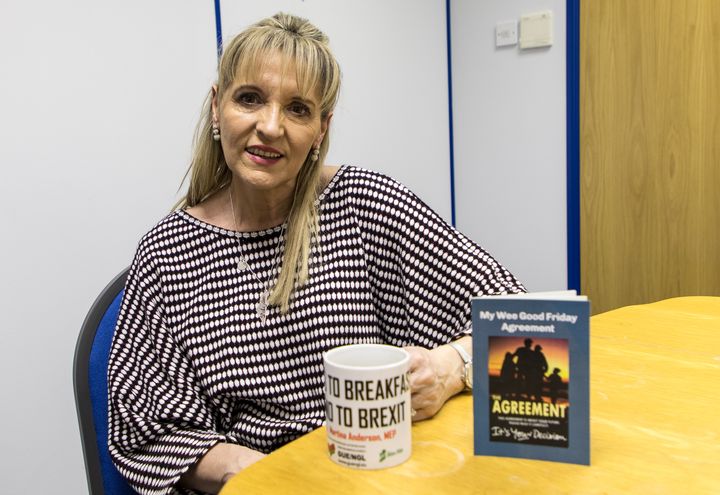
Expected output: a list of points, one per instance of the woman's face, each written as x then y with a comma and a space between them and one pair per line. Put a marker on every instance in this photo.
267, 127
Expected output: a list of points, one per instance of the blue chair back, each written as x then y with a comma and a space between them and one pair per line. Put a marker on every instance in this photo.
90, 379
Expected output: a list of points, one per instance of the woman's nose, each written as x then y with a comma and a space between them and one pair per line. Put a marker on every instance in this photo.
270, 122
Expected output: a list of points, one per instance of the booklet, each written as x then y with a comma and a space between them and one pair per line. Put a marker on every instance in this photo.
531, 376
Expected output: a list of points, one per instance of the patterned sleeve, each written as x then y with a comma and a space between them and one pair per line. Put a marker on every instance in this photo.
422, 270
159, 424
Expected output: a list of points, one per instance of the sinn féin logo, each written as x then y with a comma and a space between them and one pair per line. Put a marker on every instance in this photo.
384, 454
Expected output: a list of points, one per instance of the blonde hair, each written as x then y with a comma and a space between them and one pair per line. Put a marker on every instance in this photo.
305, 46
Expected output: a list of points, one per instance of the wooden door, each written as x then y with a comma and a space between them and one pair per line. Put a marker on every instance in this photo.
649, 150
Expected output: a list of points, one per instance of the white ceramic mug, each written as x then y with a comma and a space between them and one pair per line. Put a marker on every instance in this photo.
367, 405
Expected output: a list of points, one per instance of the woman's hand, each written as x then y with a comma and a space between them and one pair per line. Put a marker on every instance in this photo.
218, 465
435, 376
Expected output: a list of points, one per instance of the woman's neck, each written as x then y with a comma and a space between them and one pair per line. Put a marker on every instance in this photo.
251, 210
254, 211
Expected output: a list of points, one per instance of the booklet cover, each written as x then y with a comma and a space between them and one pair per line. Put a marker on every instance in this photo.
531, 376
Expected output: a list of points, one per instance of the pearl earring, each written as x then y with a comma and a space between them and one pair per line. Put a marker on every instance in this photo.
315, 154
215, 132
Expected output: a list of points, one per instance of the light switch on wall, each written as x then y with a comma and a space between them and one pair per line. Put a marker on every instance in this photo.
506, 33
536, 30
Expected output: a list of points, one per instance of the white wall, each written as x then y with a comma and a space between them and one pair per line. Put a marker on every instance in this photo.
99, 101
509, 128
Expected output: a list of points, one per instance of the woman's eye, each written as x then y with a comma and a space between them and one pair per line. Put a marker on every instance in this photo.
249, 98
299, 109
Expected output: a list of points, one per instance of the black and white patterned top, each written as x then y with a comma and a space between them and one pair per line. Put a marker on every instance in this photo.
191, 363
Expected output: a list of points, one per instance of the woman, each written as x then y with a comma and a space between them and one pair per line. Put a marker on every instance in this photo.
272, 259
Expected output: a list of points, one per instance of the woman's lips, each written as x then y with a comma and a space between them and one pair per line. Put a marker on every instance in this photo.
263, 155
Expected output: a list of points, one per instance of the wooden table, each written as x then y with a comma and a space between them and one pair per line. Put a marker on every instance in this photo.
655, 424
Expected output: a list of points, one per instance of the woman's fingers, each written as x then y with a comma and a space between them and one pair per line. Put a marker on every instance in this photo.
426, 389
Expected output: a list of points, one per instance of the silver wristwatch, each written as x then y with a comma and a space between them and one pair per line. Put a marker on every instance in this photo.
467, 376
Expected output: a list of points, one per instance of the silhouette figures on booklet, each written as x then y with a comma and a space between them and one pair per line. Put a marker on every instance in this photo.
523, 375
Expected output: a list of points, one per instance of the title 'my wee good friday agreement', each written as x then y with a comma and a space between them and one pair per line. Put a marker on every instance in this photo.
523, 316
